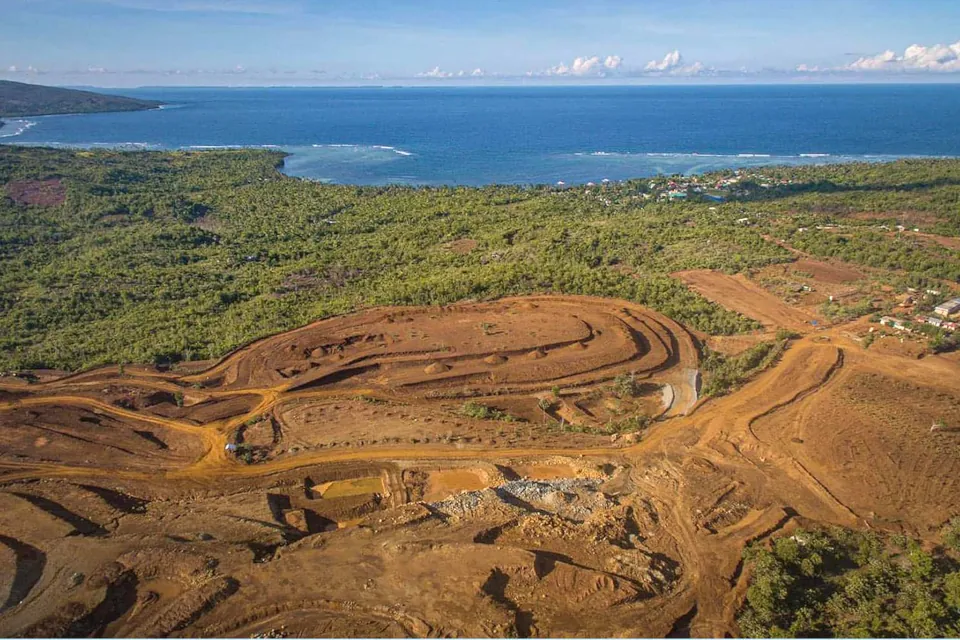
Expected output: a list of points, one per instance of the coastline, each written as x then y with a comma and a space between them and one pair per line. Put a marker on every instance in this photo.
447, 139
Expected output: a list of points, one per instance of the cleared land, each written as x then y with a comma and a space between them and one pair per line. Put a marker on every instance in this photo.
739, 293
364, 475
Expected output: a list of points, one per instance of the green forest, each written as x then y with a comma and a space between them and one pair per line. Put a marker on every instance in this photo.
843, 583
160, 257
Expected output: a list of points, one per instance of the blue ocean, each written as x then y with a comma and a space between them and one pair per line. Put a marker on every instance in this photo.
474, 135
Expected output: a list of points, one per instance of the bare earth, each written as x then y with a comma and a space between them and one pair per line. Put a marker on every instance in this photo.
744, 296
371, 506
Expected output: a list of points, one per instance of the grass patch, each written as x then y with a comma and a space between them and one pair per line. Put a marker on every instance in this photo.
483, 412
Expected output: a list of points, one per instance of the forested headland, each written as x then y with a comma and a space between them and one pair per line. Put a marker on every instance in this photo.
19, 99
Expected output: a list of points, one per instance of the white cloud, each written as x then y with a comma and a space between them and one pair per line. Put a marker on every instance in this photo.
871, 63
436, 72
915, 59
673, 64
30, 70
670, 61
583, 66
559, 70
938, 57
613, 62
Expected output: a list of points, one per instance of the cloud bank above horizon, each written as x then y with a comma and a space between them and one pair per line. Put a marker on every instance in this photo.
934, 60
263, 42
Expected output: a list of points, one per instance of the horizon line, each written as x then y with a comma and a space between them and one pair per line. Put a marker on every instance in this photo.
516, 84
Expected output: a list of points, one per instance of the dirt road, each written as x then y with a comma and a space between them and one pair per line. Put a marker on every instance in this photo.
647, 535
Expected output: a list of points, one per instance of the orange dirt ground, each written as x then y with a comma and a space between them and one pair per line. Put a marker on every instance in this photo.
363, 502
826, 272
746, 297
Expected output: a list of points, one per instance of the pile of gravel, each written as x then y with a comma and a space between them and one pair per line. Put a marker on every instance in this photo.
570, 498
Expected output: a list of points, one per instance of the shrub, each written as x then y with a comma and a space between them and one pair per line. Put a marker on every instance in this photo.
951, 534
786, 334
483, 412
626, 386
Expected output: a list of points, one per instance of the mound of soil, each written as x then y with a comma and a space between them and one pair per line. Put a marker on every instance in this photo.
436, 367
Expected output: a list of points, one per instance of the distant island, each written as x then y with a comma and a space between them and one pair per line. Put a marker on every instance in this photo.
18, 99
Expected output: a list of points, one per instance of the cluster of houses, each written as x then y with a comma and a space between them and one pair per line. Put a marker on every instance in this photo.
899, 323
695, 187
708, 187
944, 317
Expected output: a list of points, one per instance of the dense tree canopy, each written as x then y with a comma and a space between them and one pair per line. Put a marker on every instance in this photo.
157, 257
842, 583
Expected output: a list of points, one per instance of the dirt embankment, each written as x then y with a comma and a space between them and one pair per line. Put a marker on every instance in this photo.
459, 461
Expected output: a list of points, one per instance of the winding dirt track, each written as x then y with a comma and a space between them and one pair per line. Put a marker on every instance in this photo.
721, 476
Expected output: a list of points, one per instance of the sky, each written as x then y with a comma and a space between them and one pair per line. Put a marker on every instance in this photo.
124, 43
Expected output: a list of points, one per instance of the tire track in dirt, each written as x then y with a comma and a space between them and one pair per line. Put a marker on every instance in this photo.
721, 431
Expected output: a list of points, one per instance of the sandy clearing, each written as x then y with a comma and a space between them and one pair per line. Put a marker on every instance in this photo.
740, 294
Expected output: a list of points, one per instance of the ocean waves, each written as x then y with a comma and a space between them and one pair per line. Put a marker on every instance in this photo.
763, 156
362, 147
732, 159
12, 128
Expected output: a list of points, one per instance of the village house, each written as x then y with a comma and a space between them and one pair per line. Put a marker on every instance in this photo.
896, 323
948, 308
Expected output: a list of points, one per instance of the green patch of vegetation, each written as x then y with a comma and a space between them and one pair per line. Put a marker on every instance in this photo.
842, 583
626, 386
786, 334
246, 453
546, 405
951, 532
873, 249
722, 374
838, 312
164, 257
483, 412
632, 424
939, 341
